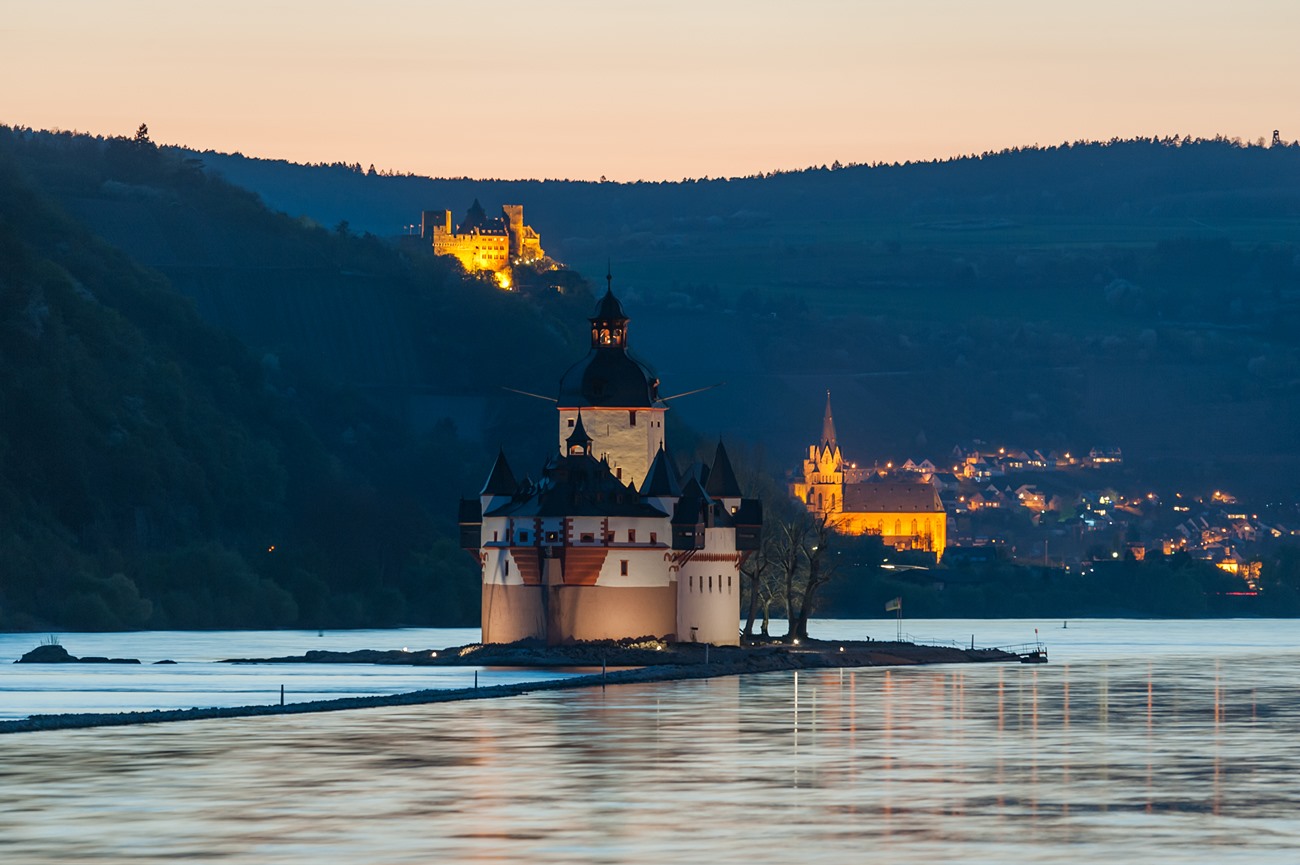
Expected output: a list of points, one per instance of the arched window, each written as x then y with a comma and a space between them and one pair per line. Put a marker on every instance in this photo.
898, 527
913, 526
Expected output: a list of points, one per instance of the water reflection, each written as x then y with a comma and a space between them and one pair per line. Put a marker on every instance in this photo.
1089, 762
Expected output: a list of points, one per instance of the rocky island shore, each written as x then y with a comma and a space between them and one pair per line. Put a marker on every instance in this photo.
617, 662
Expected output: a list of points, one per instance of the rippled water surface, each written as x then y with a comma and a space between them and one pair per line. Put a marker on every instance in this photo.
1186, 751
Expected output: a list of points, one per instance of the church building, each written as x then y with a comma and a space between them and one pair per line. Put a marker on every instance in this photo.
907, 515
611, 541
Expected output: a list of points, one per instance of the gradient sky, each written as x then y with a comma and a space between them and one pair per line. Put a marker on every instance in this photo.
664, 90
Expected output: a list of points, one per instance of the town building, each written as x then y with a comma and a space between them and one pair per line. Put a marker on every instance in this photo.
906, 514
612, 541
482, 242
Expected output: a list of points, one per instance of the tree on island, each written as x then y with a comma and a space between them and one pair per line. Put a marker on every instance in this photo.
788, 571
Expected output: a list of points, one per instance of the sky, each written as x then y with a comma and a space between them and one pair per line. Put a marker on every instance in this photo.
633, 90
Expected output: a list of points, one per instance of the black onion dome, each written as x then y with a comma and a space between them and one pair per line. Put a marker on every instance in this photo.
609, 376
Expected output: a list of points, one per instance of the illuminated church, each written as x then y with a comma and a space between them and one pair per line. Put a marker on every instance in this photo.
611, 541
907, 515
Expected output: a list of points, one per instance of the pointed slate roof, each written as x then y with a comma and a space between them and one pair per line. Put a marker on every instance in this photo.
661, 480
828, 425
579, 437
575, 486
722, 483
501, 481
609, 309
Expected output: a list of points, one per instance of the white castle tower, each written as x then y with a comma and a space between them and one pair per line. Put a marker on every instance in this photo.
611, 542
616, 395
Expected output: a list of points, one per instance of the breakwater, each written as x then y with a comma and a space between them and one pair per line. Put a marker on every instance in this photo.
651, 662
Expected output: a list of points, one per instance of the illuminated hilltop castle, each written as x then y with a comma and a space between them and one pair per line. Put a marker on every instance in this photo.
481, 242
611, 542
907, 515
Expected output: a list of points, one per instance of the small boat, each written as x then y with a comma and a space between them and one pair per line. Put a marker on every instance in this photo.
1034, 656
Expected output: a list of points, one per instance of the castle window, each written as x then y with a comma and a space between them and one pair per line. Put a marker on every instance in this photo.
587, 538
631, 418
622, 567
690, 583
552, 536
507, 568
523, 537
609, 537
571, 423
618, 473
728, 581
631, 536
710, 582
654, 537
494, 537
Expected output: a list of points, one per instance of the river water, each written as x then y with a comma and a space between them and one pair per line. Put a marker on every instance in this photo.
1141, 741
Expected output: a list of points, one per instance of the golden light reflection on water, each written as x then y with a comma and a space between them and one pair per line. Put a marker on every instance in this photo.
1162, 760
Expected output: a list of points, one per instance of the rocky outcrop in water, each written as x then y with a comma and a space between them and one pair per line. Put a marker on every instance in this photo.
56, 654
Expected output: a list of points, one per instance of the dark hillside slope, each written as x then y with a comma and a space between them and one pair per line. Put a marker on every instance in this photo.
1143, 294
155, 472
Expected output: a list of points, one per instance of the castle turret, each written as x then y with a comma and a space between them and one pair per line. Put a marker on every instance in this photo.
617, 395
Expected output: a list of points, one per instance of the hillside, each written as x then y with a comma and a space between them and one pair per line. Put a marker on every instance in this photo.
1141, 294
158, 471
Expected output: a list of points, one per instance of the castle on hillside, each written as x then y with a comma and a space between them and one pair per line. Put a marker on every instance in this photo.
612, 541
907, 515
481, 242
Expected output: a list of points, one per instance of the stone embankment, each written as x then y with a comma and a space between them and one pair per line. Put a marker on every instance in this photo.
640, 661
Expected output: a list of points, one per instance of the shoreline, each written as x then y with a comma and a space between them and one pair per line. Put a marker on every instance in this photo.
680, 663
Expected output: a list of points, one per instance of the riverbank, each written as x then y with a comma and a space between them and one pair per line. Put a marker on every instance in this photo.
650, 662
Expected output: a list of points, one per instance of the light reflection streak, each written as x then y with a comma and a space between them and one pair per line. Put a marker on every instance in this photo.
1097, 764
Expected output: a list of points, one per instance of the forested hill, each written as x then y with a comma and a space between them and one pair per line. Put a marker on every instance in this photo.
157, 471
1141, 294
1120, 179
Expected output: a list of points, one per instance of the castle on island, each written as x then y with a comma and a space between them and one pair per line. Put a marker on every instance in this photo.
612, 541
482, 242
907, 515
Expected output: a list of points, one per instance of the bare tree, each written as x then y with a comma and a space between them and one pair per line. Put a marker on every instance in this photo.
790, 538
756, 572
819, 570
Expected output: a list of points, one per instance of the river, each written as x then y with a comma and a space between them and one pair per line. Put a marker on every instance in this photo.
1167, 741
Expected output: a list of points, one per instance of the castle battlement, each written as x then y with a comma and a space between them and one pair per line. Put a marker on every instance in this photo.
481, 242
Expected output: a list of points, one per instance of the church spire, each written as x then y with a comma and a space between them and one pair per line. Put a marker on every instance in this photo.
828, 426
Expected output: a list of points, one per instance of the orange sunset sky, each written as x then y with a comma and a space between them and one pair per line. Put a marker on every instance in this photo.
662, 90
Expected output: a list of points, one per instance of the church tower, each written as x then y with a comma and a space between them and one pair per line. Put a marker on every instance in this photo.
616, 395
822, 490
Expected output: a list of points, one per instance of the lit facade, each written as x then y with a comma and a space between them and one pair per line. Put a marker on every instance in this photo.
907, 515
612, 542
481, 242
